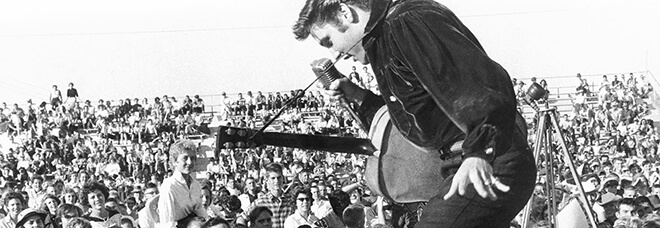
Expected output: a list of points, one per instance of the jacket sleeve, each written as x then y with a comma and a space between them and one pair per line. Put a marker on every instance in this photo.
472, 90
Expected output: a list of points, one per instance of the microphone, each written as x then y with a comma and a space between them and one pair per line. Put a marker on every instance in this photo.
327, 73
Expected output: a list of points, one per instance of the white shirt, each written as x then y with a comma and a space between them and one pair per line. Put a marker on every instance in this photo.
321, 208
295, 220
177, 200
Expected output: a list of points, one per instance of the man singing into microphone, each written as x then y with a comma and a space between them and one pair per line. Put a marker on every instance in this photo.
440, 87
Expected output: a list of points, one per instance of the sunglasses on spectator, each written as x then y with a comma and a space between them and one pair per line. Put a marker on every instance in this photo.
304, 199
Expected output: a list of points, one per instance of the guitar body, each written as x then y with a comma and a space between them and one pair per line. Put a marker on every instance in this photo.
401, 172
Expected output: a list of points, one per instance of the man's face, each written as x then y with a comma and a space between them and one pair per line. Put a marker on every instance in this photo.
150, 192
629, 193
36, 184
340, 38
185, 162
315, 193
303, 177
249, 184
644, 209
275, 180
206, 198
625, 210
112, 205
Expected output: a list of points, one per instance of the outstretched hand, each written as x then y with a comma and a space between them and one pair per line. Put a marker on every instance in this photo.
479, 173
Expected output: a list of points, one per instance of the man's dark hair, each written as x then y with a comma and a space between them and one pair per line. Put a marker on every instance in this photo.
322, 11
37, 177
339, 200
274, 167
252, 216
626, 201
150, 185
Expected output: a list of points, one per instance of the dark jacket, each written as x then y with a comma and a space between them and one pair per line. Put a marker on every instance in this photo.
437, 81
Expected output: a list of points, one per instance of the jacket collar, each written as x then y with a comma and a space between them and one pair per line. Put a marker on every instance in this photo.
379, 11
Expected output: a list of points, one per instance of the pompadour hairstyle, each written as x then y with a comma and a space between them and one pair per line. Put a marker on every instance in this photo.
321, 11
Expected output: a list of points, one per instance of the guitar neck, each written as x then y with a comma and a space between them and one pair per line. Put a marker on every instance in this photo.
316, 142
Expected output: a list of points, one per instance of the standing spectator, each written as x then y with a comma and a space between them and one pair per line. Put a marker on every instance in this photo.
36, 192
181, 193
71, 96
198, 104
55, 97
274, 199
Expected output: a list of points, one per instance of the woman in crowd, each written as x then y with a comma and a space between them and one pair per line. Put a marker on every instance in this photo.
95, 195
49, 204
13, 205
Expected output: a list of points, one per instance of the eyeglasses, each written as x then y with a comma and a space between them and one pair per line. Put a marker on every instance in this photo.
304, 199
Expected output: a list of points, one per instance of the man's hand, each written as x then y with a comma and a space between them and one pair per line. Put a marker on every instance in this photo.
343, 87
479, 173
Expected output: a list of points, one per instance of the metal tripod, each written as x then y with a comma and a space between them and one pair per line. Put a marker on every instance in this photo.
547, 125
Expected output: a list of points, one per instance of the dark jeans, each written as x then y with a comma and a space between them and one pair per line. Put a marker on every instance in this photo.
516, 169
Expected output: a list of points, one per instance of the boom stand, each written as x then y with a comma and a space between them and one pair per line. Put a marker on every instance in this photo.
543, 148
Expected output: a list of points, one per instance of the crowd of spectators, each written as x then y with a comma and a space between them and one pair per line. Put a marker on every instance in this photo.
614, 144
77, 164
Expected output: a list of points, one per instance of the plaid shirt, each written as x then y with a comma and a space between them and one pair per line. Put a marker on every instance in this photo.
281, 207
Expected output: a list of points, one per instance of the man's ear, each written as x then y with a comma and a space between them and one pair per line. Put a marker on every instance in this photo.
347, 13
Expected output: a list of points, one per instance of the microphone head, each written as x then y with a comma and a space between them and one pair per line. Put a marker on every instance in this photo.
325, 71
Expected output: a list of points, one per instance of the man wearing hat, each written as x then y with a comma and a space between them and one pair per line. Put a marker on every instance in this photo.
606, 209
31, 218
610, 184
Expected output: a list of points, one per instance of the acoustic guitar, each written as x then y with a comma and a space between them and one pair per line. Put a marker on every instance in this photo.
396, 169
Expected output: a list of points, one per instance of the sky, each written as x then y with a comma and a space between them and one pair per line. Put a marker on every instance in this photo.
127, 49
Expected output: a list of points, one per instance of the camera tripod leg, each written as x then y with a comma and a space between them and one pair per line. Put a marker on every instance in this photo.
545, 130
